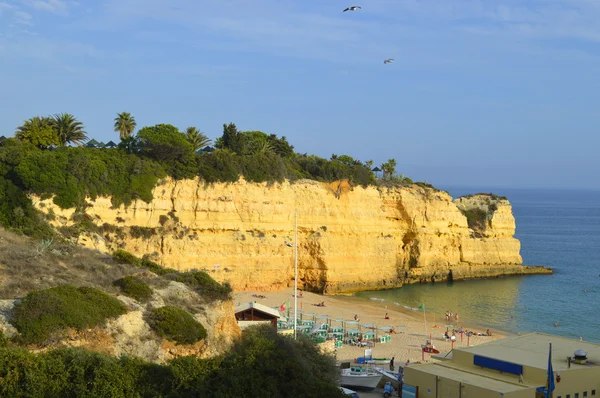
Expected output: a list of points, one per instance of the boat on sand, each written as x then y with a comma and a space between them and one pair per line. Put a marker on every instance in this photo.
358, 378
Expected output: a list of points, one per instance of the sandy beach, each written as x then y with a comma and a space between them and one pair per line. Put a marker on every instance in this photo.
409, 325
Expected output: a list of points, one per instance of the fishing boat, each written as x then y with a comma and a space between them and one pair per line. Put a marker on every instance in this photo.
359, 378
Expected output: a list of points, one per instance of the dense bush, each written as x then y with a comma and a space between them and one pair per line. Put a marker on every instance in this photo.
43, 312
134, 288
79, 373
168, 146
321, 169
156, 268
124, 257
261, 364
265, 364
476, 218
177, 325
17, 212
204, 284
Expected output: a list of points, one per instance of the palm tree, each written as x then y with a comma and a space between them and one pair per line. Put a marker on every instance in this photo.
197, 138
389, 167
38, 131
69, 129
263, 147
125, 124
35, 123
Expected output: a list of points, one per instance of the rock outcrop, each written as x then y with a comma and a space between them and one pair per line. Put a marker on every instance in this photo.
349, 238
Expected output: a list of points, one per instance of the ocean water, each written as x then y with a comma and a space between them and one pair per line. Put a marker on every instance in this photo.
557, 228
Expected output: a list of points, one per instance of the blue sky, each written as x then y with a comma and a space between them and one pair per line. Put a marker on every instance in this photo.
482, 93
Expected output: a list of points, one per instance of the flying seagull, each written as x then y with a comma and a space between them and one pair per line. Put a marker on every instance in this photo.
288, 244
353, 8
388, 61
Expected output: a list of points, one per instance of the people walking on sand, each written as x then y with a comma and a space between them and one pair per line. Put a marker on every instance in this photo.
392, 364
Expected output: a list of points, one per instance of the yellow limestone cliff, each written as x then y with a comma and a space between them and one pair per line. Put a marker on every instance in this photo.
350, 238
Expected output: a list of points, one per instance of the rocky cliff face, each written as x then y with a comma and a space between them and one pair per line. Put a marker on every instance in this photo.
349, 238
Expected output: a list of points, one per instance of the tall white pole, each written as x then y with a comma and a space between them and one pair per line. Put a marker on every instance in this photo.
425, 318
296, 276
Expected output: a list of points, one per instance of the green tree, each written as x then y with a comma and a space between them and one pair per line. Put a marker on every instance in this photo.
125, 124
130, 144
197, 138
231, 138
389, 167
369, 164
254, 142
68, 129
38, 131
164, 142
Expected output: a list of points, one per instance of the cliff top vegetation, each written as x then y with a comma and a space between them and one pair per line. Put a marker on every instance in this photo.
41, 160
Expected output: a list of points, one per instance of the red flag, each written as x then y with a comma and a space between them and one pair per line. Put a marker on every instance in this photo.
282, 307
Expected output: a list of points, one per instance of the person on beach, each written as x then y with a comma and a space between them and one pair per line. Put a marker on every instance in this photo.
386, 316
456, 318
392, 364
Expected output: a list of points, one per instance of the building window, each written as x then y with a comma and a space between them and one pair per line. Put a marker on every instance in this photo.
576, 395
585, 393
568, 395
593, 393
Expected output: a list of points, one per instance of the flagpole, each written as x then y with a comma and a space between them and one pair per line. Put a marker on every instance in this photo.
550, 375
296, 276
425, 317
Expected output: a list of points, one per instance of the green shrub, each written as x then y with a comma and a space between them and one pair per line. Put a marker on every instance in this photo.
156, 268
203, 284
285, 368
134, 288
124, 257
175, 324
141, 232
261, 364
43, 312
476, 218
3, 340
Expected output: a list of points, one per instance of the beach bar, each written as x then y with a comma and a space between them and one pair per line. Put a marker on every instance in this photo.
513, 367
251, 314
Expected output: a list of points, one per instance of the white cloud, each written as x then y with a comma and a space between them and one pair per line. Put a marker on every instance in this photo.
43, 49
23, 18
53, 6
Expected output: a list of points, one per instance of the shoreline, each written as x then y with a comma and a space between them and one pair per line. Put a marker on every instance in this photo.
459, 273
409, 325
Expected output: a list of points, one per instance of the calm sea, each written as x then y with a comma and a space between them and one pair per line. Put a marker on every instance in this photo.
559, 229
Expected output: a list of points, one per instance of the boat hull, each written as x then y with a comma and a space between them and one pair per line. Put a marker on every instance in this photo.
391, 376
360, 382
